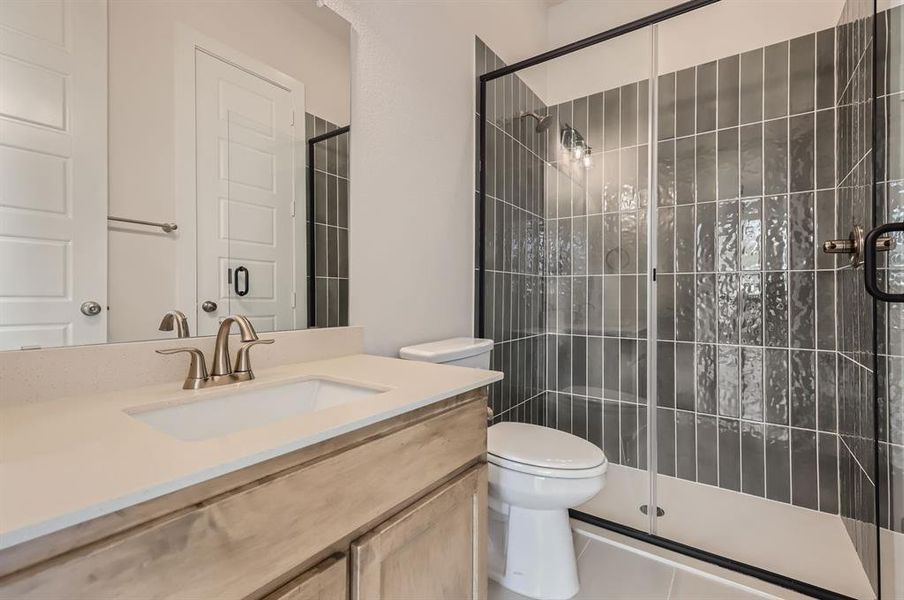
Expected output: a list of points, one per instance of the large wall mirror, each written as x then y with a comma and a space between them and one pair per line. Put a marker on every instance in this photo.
156, 168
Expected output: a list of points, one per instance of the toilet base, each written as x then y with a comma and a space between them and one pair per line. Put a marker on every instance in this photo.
539, 559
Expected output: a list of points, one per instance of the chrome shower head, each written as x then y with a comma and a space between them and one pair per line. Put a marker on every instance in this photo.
543, 121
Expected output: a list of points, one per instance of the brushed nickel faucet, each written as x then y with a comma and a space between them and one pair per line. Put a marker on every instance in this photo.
223, 373
175, 319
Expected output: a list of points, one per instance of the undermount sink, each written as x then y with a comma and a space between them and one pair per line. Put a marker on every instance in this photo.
226, 412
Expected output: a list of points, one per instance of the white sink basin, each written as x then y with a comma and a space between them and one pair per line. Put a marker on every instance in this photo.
226, 412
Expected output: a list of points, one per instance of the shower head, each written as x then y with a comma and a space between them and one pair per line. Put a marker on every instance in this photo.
543, 121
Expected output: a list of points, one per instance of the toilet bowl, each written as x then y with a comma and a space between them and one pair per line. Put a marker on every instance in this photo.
536, 474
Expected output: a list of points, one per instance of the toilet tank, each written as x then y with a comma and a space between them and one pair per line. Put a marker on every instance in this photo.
463, 352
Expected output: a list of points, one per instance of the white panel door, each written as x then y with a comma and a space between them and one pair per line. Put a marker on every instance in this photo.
245, 186
53, 171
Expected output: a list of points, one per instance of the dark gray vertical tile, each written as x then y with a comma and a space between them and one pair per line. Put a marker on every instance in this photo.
729, 380
802, 309
685, 95
778, 468
752, 86
686, 445
751, 309
825, 68
595, 422
752, 383
643, 110
706, 96
343, 203
595, 305
775, 80
706, 378
828, 473
825, 149
343, 303
629, 114
706, 167
595, 367
775, 368
728, 307
729, 88
685, 374
321, 318
826, 395
775, 156
802, 74
801, 152
333, 303
666, 106
752, 459
628, 384
729, 454
707, 450
727, 236
728, 163
629, 434
706, 308
803, 388
751, 160
665, 375
611, 353
579, 364
705, 234
611, 442
685, 170
563, 412
825, 226
563, 360
595, 122
776, 233
665, 440
802, 221
804, 481
825, 310
579, 423
775, 309
751, 234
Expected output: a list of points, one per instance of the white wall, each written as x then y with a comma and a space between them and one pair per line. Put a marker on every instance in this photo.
722, 29
412, 159
282, 34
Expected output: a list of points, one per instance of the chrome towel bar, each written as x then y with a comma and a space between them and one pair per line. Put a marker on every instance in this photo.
166, 227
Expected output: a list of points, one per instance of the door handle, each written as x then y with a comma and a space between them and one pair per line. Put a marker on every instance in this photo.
855, 245
91, 308
244, 290
875, 241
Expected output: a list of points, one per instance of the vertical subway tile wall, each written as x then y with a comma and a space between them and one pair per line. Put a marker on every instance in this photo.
515, 233
763, 341
330, 223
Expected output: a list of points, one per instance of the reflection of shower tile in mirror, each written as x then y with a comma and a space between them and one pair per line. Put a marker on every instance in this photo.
628, 177
684, 308
628, 370
579, 306
611, 187
628, 324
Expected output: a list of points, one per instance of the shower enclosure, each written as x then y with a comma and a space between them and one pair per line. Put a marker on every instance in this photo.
651, 214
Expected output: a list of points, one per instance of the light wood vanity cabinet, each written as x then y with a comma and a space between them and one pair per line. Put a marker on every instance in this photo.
393, 510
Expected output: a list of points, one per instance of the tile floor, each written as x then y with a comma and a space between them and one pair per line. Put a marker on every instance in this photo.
613, 567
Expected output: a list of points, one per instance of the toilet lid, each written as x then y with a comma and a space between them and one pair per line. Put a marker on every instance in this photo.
542, 447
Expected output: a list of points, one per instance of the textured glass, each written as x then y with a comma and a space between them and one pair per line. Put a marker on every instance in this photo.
665, 375
685, 373
666, 241
686, 445
665, 440
629, 434
684, 308
706, 378
728, 380
666, 173
707, 449
684, 239
665, 298
685, 169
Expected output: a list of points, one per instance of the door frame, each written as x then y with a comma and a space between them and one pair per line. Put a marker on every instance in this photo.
187, 42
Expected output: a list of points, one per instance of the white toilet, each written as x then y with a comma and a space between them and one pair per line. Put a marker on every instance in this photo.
536, 475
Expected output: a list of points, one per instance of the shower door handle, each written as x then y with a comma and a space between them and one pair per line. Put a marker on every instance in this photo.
875, 241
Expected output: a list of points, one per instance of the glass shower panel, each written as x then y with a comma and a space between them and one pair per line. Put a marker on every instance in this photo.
754, 370
566, 253
890, 324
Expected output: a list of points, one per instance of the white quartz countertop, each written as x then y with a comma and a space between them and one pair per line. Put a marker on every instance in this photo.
67, 461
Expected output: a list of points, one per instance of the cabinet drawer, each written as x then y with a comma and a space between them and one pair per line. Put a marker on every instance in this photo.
236, 544
326, 581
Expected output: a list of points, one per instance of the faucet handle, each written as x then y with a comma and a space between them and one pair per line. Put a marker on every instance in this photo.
243, 356
197, 370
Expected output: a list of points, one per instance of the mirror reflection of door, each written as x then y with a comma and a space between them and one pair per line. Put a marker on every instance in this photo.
246, 173
53, 170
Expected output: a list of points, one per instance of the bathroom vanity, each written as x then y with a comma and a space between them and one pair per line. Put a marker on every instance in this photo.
383, 496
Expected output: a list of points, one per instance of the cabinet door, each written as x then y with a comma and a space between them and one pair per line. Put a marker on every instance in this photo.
326, 581
433, 550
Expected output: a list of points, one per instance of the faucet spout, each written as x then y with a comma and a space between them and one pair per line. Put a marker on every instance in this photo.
175, 319
222, 364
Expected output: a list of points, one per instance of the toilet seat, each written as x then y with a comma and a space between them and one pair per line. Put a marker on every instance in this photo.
543, 451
